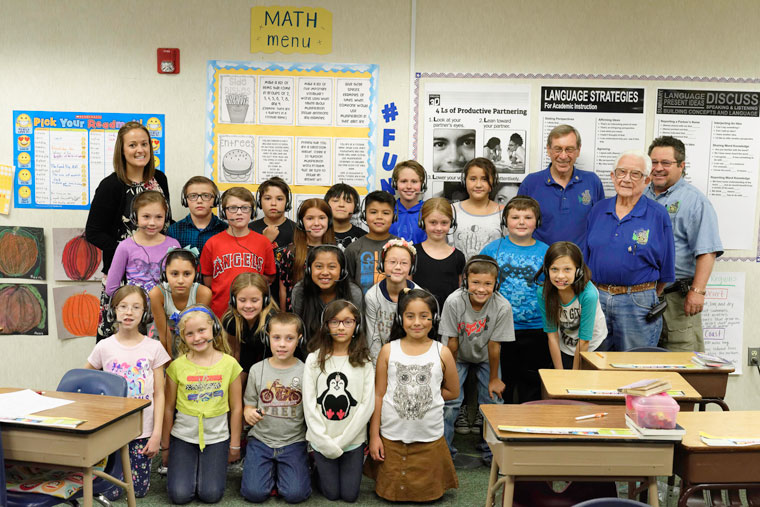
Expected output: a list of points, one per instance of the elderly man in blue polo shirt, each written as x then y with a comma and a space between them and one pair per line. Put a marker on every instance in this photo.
565, 193
631, 255
695, 229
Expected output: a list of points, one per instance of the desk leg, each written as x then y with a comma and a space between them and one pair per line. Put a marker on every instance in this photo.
509, 491
654, 499
126, 467
87, 484
492, 483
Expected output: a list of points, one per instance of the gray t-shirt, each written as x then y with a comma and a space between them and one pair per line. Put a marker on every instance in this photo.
362, 257
278, 393
475, 329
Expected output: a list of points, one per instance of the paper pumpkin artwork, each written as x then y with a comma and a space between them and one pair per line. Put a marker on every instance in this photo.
24, 309
22, 252
77, 310
75, 258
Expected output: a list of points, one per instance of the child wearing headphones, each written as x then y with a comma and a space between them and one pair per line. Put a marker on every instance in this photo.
202, 386
180, 287
276, 452
140, 360
199, 195
520, 256
362, 256
476, 320
236, 250
410, 183
274, 199
569, 304
415, 375
325, 280
339, 397
478, 216
398, 259
138, 259
439, 265
344, 202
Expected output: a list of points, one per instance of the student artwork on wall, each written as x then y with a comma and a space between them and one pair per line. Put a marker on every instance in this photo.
77, 310
6, 188
312, 124
61, 157
75, 258
22, 252
25, 309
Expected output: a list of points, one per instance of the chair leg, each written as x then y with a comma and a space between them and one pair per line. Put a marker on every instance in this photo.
102, 500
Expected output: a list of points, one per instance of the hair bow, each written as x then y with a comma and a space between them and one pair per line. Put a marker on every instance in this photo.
193, 250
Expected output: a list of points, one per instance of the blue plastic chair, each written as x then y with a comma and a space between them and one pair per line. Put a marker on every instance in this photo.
80, 380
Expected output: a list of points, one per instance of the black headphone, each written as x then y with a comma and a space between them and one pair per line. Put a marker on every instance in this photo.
264, 299
358, 315
363, 214
133, 212
398, 317
311, 257
223, 212
452, 227
184, 203
265, 334
481, 258
147, 316
527, 202
491, 183
402, 243
268, 183
195, 261
216, 327
423, 188
299, 220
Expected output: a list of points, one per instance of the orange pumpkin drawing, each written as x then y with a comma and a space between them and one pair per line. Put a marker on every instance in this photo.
18, 252
80, 258
22, 307
80, 314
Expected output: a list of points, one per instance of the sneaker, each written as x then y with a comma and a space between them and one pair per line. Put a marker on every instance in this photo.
461, 424
162, 470
477, 424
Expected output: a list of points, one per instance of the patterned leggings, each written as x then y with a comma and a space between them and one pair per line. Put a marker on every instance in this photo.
140, 465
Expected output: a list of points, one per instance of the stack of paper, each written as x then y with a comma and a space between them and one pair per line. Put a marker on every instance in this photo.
646, 387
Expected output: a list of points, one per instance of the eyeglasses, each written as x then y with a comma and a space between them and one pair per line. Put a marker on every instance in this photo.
125, 308
204, 197
634, 175
393, 263
570, 150
666, 164
335, 323
235, 209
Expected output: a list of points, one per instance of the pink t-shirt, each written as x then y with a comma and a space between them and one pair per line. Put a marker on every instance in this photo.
136, 365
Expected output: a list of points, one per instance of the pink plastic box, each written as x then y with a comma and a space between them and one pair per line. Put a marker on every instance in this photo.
658, 411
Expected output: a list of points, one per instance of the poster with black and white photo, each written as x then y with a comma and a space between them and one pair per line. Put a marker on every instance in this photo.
721, 131
609, 120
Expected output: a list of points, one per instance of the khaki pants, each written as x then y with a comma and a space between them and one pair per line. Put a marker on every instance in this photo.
680, 333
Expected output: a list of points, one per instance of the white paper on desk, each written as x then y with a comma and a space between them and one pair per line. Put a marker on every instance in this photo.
25, 402
714, 441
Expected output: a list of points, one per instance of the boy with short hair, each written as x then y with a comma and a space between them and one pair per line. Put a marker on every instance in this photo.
344, 202
236, 250
520, 257
199, 195
362, 255
410, 182
274, 199
475, 320
276, 455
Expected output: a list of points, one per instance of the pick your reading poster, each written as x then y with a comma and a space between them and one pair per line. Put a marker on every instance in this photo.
311, 124
61, 157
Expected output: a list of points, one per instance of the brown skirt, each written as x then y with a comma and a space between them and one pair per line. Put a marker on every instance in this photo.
418, 472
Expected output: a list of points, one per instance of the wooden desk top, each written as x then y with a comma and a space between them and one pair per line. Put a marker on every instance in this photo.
97, 411
604, 361
557, 382
737, 424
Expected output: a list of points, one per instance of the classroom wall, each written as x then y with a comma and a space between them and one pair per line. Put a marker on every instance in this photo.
100, 56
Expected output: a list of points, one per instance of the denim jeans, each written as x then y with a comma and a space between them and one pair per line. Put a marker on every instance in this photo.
196, 474
340, 478
451, 408
285, 468
627, 326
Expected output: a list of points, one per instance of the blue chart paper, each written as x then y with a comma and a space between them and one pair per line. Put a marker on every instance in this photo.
60, 157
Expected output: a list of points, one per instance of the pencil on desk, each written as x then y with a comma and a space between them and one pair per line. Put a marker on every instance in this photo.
600, 355
591, 416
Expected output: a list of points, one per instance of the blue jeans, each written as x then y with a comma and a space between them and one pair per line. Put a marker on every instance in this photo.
451, 408
340, 478
285, 468
627, 326
196, 474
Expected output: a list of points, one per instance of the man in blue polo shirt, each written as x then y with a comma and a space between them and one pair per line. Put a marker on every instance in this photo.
695, 230
565, 193
630, 253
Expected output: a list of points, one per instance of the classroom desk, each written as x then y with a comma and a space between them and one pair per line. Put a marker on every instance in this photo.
703, 467
710, 382
528, 456
110, 423
555, 383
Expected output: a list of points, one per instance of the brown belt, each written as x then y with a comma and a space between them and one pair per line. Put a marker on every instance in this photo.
625, 289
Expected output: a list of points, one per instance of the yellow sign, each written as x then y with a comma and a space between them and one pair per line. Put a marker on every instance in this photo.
291, 30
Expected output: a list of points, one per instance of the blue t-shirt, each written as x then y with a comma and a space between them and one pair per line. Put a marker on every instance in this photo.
637, 249
518, 265
406, 225
563, 210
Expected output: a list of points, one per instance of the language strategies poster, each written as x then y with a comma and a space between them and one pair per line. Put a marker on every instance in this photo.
721, 131
311, 124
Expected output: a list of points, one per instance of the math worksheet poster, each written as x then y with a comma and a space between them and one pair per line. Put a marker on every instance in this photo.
311, 124
61, 157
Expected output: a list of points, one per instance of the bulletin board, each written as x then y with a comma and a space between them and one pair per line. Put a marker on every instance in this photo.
312, 124
61, 157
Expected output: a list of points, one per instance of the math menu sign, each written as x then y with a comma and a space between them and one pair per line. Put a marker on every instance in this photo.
61, 157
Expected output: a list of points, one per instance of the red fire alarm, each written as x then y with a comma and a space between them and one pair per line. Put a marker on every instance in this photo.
167, 60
